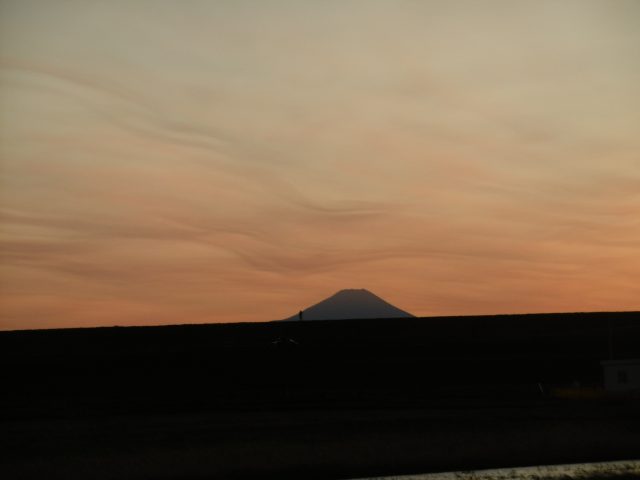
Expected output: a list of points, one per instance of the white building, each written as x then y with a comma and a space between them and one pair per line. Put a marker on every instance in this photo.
621, 375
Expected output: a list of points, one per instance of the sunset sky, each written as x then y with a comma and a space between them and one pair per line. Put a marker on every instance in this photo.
227, 161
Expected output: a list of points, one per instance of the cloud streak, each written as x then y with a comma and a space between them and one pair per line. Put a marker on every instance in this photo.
215, 162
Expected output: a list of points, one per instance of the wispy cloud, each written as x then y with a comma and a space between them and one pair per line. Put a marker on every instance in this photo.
235, 162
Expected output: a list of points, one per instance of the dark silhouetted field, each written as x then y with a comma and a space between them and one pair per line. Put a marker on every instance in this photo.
352, 398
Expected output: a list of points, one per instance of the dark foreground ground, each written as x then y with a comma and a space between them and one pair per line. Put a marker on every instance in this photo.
348, 399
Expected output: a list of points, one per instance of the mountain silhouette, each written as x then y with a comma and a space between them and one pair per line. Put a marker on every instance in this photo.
351, 303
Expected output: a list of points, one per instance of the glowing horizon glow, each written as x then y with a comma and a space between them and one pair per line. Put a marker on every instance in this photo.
185, 162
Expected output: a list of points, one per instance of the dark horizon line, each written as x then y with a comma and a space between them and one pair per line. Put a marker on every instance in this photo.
489, 315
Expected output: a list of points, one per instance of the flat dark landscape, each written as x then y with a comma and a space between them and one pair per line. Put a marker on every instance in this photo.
347, 399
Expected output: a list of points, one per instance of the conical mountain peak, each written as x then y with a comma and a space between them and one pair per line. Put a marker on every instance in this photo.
354, 291
351, 304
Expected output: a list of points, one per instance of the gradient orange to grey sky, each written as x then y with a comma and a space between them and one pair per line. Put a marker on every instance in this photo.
229, 161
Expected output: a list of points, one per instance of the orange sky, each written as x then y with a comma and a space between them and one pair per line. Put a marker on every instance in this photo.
185, 162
